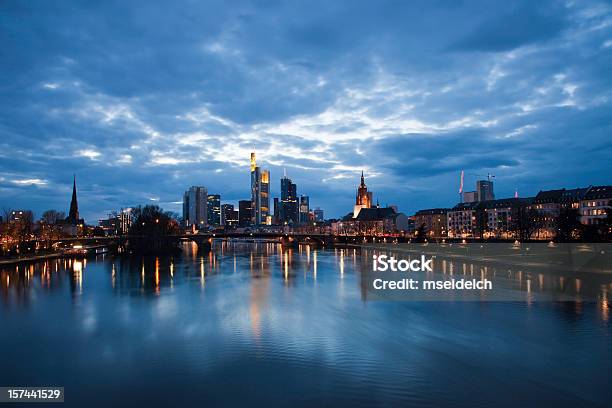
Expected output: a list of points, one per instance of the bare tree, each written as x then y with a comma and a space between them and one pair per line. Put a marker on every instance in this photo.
528, 220
568, 226
5, 239
17, 229
421, 233
51, 217
151, 229
6, 213
50, 228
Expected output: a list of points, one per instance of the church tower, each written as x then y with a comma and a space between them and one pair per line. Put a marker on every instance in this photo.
73, 215
363, 198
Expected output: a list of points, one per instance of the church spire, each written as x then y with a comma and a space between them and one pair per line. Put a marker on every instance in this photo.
73, 215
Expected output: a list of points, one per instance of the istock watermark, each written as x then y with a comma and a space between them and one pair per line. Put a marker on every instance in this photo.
529, 272
384, 263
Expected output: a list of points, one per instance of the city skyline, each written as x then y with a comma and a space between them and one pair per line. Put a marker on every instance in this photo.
370, 199
141, 114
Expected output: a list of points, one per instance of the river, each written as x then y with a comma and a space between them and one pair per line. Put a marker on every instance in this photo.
251, 324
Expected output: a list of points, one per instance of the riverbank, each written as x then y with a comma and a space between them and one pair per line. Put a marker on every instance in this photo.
35, 258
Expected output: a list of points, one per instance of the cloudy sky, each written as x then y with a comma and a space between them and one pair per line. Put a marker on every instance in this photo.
142, 101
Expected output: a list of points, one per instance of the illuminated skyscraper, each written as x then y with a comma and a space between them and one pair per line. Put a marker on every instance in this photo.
125, 220
265, 197
289, 203
213, 209
229, 216
260, 194
304, 209
195, 207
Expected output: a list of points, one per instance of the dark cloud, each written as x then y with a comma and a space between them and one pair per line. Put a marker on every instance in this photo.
141, 100
522, 24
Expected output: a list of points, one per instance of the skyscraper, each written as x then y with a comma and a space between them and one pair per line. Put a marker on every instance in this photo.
304, 209
276, 218
289, 202
195, 207
244, 213
484, 190
265, 197
213, 209
125, 220
319, 215
229, 216
260, 193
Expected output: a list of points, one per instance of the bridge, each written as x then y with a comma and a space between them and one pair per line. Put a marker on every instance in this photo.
206, 239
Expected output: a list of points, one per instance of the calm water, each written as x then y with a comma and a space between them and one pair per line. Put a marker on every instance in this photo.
248, 324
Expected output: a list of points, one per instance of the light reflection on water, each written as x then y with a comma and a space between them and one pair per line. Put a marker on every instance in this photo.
252, 323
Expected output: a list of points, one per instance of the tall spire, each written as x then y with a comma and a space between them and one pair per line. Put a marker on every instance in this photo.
73, 215
362, 180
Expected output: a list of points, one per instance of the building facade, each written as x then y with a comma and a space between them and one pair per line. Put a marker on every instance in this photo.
319, 215
304, 209
487, 219
126, 217
229, 216
260, 194
289, 209
550, 203
470, 197
500, 218
484, 190
596, 205
213, 210
117, 223
244, 213
110, 225
195, 207
461, 221
276, 214
434, 221
373, 221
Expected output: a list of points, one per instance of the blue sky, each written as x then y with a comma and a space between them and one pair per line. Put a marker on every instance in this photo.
142, 100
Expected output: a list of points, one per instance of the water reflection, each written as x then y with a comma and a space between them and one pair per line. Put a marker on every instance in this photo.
156, 274
292, 321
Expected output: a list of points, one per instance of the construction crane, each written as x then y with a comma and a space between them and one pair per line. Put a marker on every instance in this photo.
489, 176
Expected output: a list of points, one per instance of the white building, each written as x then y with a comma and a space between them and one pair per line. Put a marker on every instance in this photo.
595, 205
